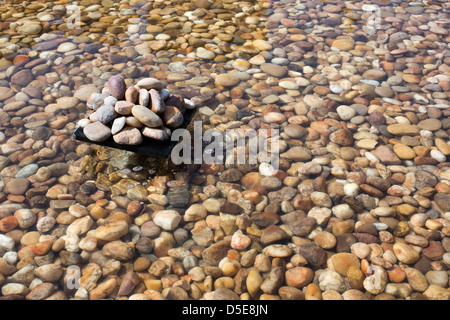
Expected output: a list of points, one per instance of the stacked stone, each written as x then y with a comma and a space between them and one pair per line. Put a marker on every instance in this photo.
130, 114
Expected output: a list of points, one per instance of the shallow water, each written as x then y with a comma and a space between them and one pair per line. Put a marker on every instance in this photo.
358, 91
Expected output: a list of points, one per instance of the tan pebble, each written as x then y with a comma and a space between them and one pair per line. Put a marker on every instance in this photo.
355, 277
331, 295
112, 231
416, 279
97, 212
58, 245
405, 253
41, 291
341, 262
396, 274
299, 277
30, 238
103, 289
433, 224
325, 240
313, 292
354, 294
229, 267
435, 292
153, 284
224, 282
290, 293
253, 282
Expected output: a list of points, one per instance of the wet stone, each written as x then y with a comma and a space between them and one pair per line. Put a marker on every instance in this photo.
178, 197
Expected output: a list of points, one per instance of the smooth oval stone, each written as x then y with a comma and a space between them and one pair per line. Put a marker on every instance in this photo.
149, 83
97, 131
110, 101
157, 104
172, 117
374, 74
27, 171
402, 129
430, 124
66, 47
133, 122
22, 78
164, 93
144, 97
30, 28
132, 95
123, 107
118, 125
128, 136
106, 114
117, 87
17, 186
84, 92
227, 80
5, 93
146, 116
344, 44
156, 133
274, 70
67, 102
176, 101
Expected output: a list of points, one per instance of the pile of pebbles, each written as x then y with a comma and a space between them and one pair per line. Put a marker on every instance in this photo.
358, 210
129, 114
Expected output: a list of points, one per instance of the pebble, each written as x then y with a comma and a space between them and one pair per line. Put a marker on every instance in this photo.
438, 278
402, 129
405, 253
345, 112
67, 102
274, 70
331, 280
299, 277
195, 212
97, 131
128, 136
111, 232
17, 186
105, 114
227, 80
22, 78
118, 125
117, 87
167, 219
149, 83
27, 171
146, 116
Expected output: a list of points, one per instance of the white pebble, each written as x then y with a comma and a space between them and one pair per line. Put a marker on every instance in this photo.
438, 156
83, 123
266, 169
426, 134
6, 242
11, 257
343, 211
380, 226
446, 258
110, 101
351, 189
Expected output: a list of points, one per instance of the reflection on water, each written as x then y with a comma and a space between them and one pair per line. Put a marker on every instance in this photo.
358, 89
